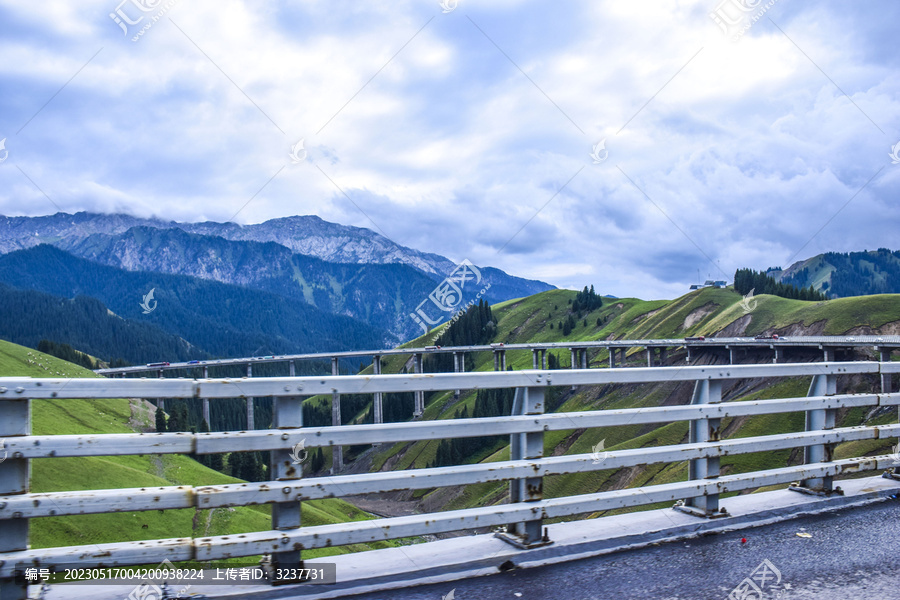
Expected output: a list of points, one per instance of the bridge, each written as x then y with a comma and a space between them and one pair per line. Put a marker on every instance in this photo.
530, 529
616, 351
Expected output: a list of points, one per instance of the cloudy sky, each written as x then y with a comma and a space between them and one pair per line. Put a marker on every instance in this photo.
467, 130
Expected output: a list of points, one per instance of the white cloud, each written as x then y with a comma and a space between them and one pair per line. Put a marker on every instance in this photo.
451, 149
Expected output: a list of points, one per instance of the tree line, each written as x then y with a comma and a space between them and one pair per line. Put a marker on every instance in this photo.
761, 283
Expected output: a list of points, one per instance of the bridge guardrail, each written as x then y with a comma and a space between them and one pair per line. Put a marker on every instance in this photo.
525, 470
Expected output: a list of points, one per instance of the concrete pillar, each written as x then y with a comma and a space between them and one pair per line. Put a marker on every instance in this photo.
689, 357
337, 452
544, 359
496, 354
292, 369
779, 355
503, 360
663, 355
534, 359
250, 424
160, 402
419, 409
649, 356
379, 414
584, 359
457, 368
612, 358
730, 355
885, 356
827, 354
206, 401
574, 353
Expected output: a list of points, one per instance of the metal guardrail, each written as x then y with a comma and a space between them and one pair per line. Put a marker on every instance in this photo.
823, 342
523, 515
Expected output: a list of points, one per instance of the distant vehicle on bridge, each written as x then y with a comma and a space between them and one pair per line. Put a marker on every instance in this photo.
193, 362
695, 338
764, 336
500, 345
159, 364
432, 347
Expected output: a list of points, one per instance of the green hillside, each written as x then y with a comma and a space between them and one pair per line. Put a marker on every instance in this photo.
702, 312
846, 274
55, 417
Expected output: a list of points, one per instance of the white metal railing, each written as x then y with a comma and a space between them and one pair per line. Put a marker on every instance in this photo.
523, 515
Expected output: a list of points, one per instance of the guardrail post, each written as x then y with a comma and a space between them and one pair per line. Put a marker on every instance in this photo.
15, 473
525, 446
419, 408
250, 423
337, 451
286, 464
706, 391
817, 420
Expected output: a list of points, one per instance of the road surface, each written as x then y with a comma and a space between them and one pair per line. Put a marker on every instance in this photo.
850, 554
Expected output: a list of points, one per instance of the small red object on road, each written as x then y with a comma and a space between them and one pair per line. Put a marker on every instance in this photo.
743, 540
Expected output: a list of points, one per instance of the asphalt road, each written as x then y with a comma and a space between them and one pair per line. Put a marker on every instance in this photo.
850, 554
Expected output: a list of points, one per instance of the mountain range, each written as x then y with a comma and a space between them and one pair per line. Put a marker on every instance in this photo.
339, 269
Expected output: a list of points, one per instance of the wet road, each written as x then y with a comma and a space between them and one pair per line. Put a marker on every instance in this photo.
850, 554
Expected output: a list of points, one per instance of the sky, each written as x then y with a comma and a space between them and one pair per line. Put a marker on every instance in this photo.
633, 146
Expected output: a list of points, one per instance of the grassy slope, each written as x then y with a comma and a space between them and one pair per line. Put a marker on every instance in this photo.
51, 417
710, 310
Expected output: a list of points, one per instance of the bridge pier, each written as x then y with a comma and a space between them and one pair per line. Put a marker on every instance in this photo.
612, 356
419, 408
706, 391
779, 355
206, 401
827, 353
654, 360
526, 446
817, 420
459, 366
337, 451
161, 402
250, 424
287, 413
730, 354
377, 397
885, 356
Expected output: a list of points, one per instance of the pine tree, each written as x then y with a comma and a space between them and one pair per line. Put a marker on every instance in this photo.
160, 420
